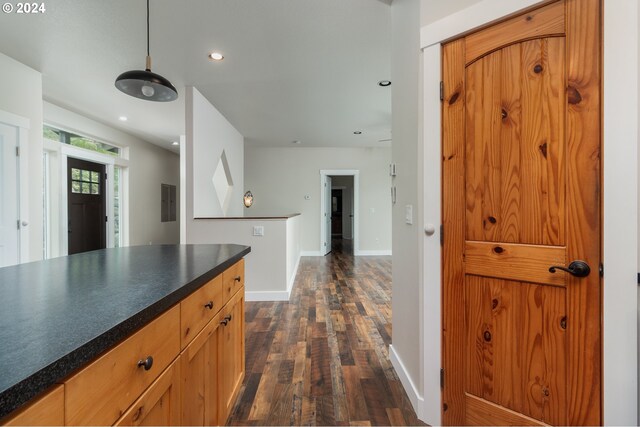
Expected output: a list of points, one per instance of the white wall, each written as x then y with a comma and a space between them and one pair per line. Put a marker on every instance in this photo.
210, 134
149, 166
280, 178
405, 74
271, 266
21, 94
432, 10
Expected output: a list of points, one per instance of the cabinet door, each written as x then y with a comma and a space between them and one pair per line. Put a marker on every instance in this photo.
200, 378
231, 355
159, 405
48, 410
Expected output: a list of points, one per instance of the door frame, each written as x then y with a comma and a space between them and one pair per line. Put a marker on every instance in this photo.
620, 212
356, 204
22, 125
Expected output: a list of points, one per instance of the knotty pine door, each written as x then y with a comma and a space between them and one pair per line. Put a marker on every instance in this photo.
522, 193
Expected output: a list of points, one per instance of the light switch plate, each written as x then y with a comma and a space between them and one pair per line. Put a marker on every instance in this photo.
258, 230
408, 215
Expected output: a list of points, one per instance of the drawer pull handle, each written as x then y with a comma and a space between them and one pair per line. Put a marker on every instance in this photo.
209, 305
226, 320
237, 278
146, 363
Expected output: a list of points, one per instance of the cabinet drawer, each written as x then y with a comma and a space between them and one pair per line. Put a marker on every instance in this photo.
233, 280
100, 393
47, 410
198, 309
159, 405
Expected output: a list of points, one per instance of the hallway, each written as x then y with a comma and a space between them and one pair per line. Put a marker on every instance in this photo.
322, 358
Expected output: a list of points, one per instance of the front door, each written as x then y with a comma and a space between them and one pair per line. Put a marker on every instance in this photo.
86, 211
522, 194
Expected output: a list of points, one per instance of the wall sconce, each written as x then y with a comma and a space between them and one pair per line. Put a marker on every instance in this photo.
248, 199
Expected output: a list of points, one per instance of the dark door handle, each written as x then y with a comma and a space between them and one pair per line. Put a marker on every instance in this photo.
146, 363
576, 268
237, 278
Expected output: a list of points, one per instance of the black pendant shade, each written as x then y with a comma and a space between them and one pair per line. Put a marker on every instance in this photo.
145, 84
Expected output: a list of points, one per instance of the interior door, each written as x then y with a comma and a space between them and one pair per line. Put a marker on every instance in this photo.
326, 211
9, 197
87, 206
522, 194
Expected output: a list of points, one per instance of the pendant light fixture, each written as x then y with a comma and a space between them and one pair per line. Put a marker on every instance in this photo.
145, 84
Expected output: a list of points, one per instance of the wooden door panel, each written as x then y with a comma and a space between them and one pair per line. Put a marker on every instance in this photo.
521, 192
515, 144
542, 22
529, 263
516, 346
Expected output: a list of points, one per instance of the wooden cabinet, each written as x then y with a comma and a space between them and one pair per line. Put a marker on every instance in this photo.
100, 393
47, 410
159, 405
233, 280
148, 380
199, 308
199, 364
231, 355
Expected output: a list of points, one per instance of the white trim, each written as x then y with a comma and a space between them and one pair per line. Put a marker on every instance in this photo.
477, 15
432, 251
14, 120
412, 392
356, 202
620, 293
383, 252
620, 213
254, 296
311, 253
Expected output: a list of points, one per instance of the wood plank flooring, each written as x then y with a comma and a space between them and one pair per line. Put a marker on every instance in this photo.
322, 358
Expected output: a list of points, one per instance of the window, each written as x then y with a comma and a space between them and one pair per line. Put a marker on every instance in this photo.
168, 203
117, 210
79, 141
85, 182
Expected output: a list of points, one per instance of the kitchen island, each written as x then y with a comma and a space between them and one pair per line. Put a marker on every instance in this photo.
58, 316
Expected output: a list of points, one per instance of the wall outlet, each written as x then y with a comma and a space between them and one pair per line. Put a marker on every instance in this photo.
408, 214
258, 230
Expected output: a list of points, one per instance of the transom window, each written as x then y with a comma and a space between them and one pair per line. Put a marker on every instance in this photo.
79, 141
85, 182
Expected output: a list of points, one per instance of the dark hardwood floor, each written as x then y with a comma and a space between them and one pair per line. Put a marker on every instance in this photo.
322, 358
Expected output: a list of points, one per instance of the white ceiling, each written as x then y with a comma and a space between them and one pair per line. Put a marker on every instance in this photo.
293, 69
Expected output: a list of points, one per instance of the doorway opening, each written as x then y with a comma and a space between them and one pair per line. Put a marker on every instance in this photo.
86, 197
339, 211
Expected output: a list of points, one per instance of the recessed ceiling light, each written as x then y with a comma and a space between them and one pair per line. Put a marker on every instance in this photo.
216, 56
297, 142
384, 83
123, 118
175, 143
357, 132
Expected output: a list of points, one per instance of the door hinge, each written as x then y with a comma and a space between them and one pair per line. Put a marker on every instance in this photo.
106, 219
18, 151
441, 91
441, 235
441, 377
105, 176
18, 224
601, 270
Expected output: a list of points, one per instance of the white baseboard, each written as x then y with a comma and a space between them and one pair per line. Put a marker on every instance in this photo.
373, 253
311, 253
417, 401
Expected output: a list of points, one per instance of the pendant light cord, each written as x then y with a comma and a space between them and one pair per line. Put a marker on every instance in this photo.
148, 28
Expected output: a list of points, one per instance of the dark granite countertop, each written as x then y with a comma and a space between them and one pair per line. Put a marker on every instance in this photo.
61, 313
